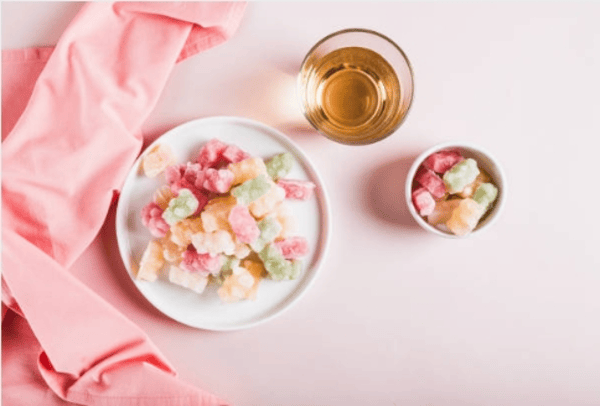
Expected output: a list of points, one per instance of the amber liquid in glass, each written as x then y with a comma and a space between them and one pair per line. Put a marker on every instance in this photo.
352, 95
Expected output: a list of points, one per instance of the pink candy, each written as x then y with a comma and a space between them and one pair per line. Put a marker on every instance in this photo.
189, 174
292, 247
423, 201
430, 181
152, 219
211, 153
297, 189
441, 161
233, 154
243, 224
217, 180
192, 261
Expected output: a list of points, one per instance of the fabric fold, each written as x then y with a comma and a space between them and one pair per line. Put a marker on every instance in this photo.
70, 149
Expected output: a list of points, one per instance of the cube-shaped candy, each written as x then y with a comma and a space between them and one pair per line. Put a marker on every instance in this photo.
157, 160
297, 189
485, 194
277, 266
151, 263
442, 211
171, 251
269, 229
267, 202
241, 250
180, 207
430, 181
280, 165
441, 161
182, 231
217, 180
243, 224
233, 154
184, 174
292, 247
152, 219
195, 281
423, 201
162, 196
210, 154
216, 213
252, 189
216, 242
468, 191
242, 283
465, 217
286, 218
247, 169
204, 263
229, 262
461, 175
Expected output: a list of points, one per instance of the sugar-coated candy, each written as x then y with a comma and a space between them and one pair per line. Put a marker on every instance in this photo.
430, 181
277, 266
151, 263
195, 281
217, 180
468, 191
461, 175
216, 242
251, 189
465, 217
182, 231
157, 160
233, 154
442, 211
172, 251
152, 219
162, 196
205, 263
267, 202
280, 165
243, 224
242, 283
180, 176
285, 216
292, 247
241, 250
423, 201
269, 229
180, 207
229, 262
441, 161
215, 215
297, 189
485, 194
210, 154
247, 169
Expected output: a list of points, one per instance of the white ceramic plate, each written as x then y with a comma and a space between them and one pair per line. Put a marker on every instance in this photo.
206, 311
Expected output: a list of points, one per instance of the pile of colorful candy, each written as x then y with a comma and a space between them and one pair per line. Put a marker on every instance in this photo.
222, 218
452, 193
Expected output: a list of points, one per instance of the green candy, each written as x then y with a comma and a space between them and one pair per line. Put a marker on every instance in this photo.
277, 266
461, 175
485, 194
252, 189
280, 165
180, 207
269, 228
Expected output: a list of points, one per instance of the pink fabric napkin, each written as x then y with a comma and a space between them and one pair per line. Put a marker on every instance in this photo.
67, 153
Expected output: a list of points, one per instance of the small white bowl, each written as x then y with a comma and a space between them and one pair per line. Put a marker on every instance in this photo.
485, 161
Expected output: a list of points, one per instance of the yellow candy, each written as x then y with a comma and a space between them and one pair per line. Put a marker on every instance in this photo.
267, 202
286, 218
162, 196
216, 242
171, 251
215, 215
191, 280
152, 261
442, 211
242, 283
247, 169
465, 217
157, 160
181, 232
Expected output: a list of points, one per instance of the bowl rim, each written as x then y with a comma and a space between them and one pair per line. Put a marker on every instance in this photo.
499, 180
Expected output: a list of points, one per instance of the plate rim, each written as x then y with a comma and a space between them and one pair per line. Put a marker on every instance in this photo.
324, 206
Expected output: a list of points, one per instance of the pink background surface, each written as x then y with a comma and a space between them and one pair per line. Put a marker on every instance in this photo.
398, 316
